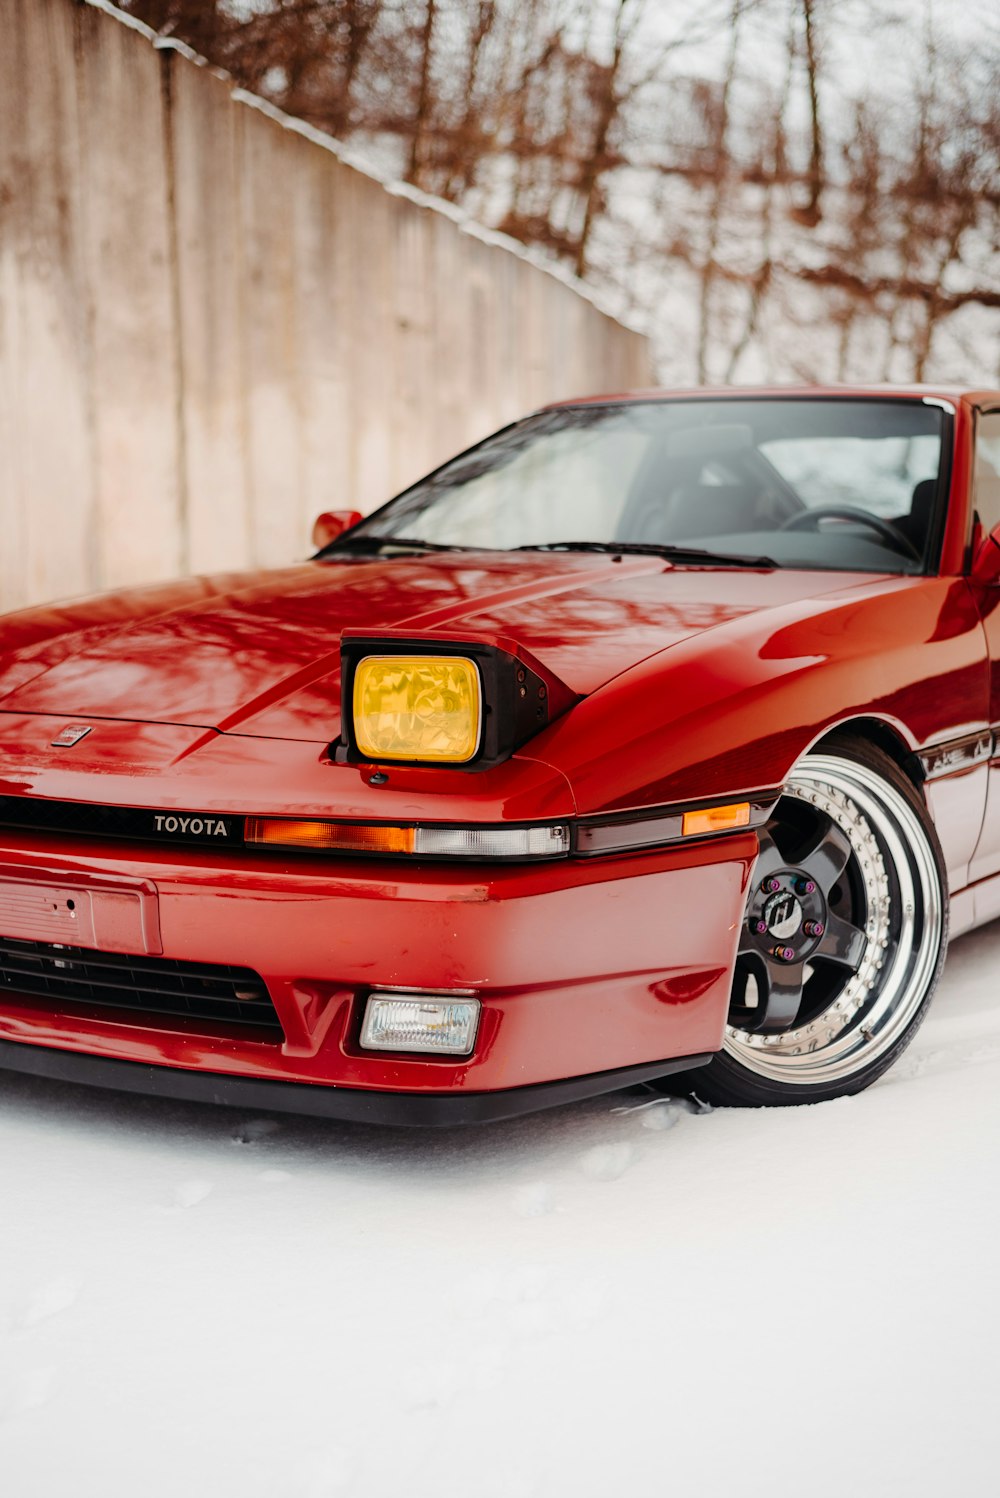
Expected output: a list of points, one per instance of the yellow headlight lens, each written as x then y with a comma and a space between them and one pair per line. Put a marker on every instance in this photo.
422, 707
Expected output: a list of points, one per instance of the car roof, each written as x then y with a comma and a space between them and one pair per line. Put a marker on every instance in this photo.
952, 393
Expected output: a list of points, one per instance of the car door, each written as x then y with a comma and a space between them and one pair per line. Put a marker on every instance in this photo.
986, 502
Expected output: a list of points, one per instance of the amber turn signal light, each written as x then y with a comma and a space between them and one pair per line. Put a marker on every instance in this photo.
350, 837
716, 819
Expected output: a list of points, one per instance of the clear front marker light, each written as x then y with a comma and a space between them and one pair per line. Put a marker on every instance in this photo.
492, 842
420, 1022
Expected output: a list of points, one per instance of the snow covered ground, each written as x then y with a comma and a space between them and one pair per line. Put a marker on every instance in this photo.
602, 1299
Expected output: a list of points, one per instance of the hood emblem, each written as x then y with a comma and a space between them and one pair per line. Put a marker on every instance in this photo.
70, 735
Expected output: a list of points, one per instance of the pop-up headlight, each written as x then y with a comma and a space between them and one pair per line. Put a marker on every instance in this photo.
418, 707
462, 704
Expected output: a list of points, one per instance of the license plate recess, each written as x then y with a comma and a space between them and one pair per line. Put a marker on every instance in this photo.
104, 913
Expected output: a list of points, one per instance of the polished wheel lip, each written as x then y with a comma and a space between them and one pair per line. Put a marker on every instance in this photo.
877, 1003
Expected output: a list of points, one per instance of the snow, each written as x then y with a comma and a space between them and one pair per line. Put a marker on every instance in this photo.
621, 1294
626, 1294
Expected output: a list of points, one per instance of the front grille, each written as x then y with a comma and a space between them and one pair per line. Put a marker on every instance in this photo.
140, 985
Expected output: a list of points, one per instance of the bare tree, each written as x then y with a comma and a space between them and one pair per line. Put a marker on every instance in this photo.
605, 99
717, 198
577, 126
810, 214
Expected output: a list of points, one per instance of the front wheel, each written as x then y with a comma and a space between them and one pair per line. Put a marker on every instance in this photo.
843, 938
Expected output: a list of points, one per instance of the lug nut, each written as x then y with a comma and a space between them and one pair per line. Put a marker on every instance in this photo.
813, 928
784, 954
772, 885
760, 927
806, 886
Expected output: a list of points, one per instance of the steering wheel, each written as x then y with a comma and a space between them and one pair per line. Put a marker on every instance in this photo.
809, 520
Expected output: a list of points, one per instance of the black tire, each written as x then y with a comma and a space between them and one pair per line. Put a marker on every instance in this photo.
851, 854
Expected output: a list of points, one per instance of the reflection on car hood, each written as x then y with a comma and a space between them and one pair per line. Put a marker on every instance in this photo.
258, 653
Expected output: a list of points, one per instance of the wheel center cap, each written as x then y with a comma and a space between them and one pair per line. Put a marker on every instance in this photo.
783, 914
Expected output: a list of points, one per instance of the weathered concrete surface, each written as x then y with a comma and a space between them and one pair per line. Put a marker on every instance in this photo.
212, 326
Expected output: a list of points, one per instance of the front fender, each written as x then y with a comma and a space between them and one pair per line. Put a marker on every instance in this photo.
732, 709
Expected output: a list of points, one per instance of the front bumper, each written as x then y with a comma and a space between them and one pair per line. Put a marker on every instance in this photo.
592, 974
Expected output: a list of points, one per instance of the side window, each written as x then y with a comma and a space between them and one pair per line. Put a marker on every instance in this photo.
986, 477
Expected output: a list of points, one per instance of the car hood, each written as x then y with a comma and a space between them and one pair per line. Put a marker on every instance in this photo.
259, 654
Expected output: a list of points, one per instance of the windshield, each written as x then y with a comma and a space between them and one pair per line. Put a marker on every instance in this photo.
837, 484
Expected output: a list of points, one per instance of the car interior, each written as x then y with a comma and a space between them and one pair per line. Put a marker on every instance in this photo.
701, 485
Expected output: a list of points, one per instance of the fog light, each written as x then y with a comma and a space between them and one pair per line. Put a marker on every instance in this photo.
420, 1022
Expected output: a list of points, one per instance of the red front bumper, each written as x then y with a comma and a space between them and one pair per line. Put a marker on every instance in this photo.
582, 967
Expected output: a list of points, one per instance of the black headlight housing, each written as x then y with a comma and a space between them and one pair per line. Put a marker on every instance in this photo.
519, 696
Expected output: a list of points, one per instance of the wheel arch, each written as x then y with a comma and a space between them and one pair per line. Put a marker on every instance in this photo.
883, 735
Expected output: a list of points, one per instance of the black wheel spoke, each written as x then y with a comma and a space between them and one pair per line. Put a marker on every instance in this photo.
769, 859
782, 997
749, 943
842, 943
826, 857
747, 983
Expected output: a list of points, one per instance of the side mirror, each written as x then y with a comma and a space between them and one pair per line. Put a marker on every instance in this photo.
986, 561
331, 524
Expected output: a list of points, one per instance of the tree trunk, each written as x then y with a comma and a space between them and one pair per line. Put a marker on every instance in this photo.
709, 267
813, 211
416, 165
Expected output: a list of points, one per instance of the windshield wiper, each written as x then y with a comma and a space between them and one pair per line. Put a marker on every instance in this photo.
375, 544
695, 554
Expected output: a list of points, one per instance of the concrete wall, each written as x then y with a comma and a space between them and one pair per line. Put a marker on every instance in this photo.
212, 327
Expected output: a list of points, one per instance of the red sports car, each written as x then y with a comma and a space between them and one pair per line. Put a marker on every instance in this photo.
654, 734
